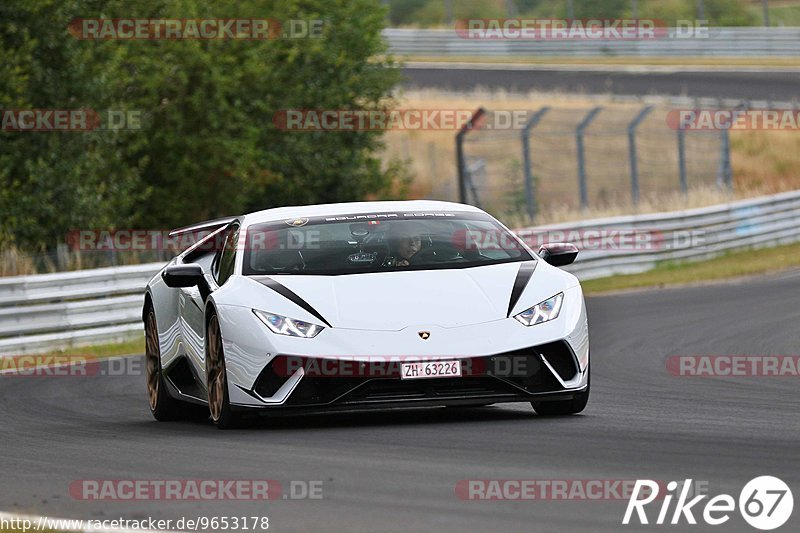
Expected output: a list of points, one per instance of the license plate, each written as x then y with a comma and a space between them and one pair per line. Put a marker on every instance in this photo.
431, 369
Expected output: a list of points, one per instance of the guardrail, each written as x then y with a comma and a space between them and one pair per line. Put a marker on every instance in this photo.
694, 234
731, 42
47, 311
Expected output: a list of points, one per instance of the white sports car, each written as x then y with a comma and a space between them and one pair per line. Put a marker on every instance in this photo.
363, 305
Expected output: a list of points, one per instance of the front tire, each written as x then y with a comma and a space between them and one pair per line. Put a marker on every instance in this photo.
162, 406
219, 404
563, 408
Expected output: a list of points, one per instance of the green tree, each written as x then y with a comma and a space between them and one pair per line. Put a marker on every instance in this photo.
207, 145
53, 181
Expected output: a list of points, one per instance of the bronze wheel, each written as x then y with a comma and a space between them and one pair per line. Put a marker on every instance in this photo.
216, 378
152, 362
216, 371
162, 405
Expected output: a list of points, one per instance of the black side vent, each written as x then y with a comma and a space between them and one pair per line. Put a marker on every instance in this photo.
181, 375
561, 358
272, 377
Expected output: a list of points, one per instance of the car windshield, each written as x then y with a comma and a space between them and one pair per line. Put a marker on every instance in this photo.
383, 242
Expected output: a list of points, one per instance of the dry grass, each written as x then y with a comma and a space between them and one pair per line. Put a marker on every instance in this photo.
765, 162
675, 201
14, 263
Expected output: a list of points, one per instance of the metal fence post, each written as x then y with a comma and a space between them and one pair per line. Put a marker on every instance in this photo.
530, 194
461, 164
462, 184
581, 156
682, 161
632, 153
511, 9
724, 174
478, 167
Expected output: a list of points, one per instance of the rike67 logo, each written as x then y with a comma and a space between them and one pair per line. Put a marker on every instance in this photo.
765, 503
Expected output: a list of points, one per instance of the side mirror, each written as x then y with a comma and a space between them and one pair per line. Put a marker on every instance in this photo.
186, 275
558, 254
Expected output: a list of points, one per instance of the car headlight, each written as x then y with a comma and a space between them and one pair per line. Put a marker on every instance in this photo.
541, 312
292, 327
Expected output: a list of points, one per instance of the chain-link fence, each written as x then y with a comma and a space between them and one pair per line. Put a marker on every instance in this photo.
599, 158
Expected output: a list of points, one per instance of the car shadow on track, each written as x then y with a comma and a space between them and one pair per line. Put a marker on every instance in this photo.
387, 417
390, 417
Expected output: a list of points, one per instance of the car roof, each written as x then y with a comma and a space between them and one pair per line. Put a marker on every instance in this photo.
352, 208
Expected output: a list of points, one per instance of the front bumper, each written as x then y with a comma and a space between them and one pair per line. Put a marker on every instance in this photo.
550, 371
261, 375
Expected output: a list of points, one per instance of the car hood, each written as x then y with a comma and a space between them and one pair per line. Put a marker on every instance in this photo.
392, 301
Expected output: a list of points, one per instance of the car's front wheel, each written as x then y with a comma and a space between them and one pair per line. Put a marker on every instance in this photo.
563, 407
163, 406
217, 378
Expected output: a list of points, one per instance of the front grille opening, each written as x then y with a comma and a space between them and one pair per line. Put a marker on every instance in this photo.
519, 364
561, 358
321, 391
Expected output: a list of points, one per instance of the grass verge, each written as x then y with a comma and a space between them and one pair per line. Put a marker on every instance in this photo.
731, 265
133, 346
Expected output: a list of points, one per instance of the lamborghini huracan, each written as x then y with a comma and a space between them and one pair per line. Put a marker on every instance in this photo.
363, 305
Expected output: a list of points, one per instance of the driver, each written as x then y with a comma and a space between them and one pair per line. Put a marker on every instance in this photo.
405, 242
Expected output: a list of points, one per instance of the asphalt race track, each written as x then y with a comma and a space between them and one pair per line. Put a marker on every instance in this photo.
781, 86
397, 471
